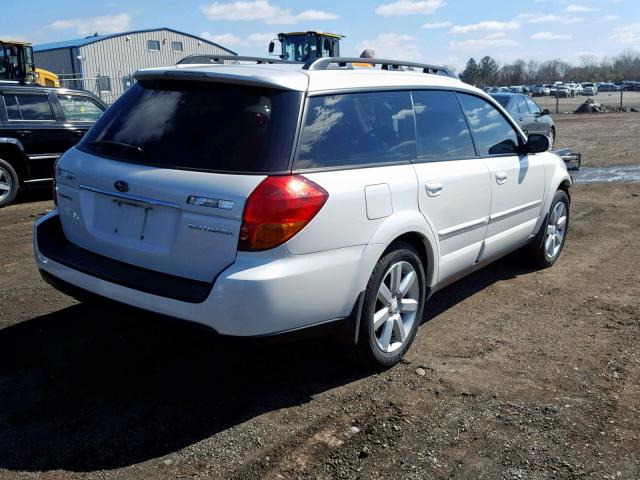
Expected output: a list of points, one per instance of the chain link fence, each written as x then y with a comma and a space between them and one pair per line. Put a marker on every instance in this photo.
107, 88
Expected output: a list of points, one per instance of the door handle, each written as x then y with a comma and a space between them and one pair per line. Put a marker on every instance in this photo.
24, 132
501, 178
433, 189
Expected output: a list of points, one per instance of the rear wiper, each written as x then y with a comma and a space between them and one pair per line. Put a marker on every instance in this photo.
113, 143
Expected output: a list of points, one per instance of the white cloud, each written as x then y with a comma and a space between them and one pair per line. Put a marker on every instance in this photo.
627, 34
580, 8
409, 7
432, 25
488, 26
103, 24
548, 18
261, 10
609, 18
229, 39
550, 36
392, 45
493, 40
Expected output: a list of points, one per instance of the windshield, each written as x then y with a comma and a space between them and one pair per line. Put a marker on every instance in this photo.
201, 126
296, 48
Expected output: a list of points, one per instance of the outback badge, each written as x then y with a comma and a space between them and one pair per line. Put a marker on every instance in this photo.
121, 186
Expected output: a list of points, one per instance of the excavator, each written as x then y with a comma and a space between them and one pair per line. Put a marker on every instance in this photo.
17, 65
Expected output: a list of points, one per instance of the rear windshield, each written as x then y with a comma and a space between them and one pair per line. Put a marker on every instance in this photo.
502, 99
202, 126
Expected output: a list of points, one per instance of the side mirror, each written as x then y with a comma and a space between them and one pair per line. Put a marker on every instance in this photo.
546, 111
537, 143
272, 46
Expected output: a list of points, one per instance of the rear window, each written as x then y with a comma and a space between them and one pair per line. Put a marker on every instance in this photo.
201, 126
503, 100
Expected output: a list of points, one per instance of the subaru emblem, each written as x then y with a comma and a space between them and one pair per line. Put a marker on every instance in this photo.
121, 186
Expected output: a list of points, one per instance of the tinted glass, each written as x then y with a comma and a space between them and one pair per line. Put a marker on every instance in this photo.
442, 129
13, 110
533, 106
357, 129
491, 131
199, 126
34, 107
79, 109
503, 100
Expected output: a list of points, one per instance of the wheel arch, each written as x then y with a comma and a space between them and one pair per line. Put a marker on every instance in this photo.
12, 152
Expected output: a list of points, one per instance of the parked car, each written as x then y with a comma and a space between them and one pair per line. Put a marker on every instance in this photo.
575, 88
264, 199
589, 89
540, 91
36, 126
608, 87
561, 91
528, 114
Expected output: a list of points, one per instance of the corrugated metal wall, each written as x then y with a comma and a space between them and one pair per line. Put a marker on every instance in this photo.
123, 55
57, 61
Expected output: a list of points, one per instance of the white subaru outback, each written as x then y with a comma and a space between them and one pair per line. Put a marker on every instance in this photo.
259, 199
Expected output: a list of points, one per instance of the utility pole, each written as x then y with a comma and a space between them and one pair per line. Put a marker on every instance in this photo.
557, 100
621, 91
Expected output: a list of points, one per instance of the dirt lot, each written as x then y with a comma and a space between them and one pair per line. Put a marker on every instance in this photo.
526, 375
608, 99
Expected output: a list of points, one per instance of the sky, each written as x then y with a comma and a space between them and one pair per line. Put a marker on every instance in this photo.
444, 32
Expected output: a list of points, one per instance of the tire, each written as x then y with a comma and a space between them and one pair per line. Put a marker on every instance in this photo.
553, 234
9, 184
399, 326
552, 138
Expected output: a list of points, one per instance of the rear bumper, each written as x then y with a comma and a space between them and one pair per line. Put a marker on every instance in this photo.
262, 293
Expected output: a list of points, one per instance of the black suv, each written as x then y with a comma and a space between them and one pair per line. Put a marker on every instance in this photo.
37, 125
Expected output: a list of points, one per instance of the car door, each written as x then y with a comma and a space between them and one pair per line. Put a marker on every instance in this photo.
454, 187
31, 119
542, 123
517, 180
80, 112
523, 115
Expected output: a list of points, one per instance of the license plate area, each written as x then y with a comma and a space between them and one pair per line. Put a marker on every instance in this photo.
130, 219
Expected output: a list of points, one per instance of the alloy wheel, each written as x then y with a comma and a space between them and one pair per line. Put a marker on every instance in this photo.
6, 184
396, 306
556, 230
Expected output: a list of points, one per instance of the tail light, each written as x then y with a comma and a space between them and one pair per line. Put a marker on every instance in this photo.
278, 209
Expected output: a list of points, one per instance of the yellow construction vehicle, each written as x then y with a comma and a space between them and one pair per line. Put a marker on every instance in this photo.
16, 61
305, 46
47, 78
17, 65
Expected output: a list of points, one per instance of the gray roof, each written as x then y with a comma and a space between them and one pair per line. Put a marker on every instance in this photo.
80, 42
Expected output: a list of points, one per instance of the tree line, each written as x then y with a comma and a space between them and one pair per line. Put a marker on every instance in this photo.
487, 71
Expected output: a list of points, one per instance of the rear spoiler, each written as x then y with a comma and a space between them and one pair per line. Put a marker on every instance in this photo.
253, 77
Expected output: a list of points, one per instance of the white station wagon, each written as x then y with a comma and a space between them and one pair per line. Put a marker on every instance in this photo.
259, 199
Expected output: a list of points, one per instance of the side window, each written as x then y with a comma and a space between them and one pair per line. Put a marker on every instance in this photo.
357, 129
79, 109
28, 107
533, 106
13, 109
442, 129
491, 131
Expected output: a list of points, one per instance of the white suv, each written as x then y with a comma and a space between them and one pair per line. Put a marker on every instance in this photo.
259, 199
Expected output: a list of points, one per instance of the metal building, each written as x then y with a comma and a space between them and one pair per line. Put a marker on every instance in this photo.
104, 64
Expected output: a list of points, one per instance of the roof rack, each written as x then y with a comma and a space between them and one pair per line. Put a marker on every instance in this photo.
325, 63
199, 59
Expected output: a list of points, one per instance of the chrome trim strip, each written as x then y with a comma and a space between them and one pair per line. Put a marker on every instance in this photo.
39, 180
462, 228
133, 198
42, 157
514, 211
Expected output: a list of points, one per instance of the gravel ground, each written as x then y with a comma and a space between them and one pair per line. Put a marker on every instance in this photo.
608, 99
515, 374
